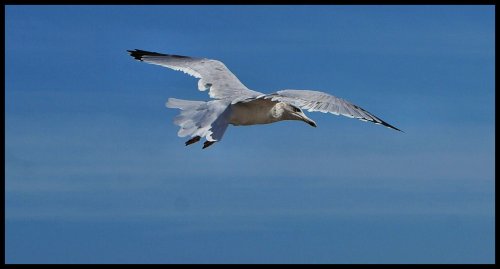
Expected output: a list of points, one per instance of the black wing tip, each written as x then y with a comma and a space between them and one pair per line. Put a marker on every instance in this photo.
139, 54
390, 126
380, 121
383, 123
387, 125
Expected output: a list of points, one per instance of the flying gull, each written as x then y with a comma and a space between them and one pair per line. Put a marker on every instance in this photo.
235, 104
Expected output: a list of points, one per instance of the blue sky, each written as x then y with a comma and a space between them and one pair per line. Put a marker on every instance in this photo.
95, 172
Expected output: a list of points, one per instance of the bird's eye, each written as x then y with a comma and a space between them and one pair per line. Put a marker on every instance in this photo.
296, 109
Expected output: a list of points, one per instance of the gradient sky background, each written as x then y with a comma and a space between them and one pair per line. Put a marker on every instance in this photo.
95, 172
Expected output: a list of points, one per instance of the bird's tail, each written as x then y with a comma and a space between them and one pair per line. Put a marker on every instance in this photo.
183, 104
198, 118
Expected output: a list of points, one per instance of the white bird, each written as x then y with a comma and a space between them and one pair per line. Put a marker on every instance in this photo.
235, 104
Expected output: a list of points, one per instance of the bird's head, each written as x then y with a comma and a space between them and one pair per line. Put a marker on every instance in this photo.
295, 113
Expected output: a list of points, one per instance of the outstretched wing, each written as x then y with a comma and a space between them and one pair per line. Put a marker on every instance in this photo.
323, 102
214, 75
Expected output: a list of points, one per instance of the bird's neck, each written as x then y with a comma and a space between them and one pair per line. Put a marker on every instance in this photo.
278, 111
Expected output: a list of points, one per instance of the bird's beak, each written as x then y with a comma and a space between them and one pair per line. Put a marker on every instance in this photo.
311, 122
305, 119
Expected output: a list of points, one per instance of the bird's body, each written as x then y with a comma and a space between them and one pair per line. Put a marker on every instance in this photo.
237, 105
258, 111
